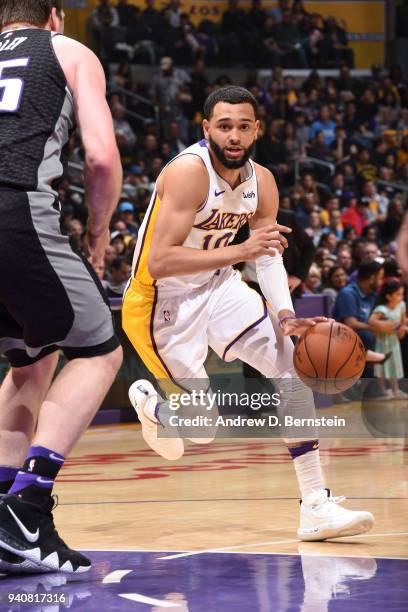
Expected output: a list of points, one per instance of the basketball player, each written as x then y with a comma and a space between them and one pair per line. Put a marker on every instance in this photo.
49, 296
184, 295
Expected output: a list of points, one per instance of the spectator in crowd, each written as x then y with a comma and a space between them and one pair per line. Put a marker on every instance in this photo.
289, 41
271, 151
166, 86
102, 22
302, 129
344, 258
329, 241
125, 136
117, 241
313, 280
151, 17
336, 280
315, 227
319, 149
174, 139
335, 43
110, 255
124, 11
308, 186
390, 313
119, 272
392, 222
332, 204
355, 214
355, 302
174, 9
324, 124
277, 12
233, 28
126, 214
376, 202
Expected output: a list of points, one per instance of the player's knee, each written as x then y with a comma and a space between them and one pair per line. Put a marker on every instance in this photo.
38, 370
114, 359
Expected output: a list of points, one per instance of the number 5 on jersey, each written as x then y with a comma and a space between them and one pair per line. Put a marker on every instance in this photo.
12, 87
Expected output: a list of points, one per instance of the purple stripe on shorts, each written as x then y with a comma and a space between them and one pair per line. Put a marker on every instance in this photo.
265, 314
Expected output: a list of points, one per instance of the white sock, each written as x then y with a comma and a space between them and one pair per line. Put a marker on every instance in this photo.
309, 472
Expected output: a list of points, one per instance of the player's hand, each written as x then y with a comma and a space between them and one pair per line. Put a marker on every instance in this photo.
266, 241
97, 244
297, 327
293, 282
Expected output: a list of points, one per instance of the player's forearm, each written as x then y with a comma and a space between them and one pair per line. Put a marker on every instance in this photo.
273, 281
181, 261
103, 184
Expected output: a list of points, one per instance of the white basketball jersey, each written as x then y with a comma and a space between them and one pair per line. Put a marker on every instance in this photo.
223, 213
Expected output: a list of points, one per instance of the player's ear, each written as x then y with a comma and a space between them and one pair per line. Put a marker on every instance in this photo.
257, 126
206, 126
56, 21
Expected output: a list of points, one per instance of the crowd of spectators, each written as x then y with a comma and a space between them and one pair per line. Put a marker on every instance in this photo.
337, 146
286, 35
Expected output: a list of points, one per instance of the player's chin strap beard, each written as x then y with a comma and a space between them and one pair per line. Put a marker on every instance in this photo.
231, 164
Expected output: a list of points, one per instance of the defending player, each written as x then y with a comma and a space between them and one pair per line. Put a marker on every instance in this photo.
184, 295
49, 296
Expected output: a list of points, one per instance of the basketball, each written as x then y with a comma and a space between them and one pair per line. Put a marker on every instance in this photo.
329, 357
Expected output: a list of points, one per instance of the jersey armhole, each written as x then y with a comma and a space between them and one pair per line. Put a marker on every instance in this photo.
67, 86
202, 205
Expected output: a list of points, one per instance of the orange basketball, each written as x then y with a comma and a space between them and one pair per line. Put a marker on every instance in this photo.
329, 357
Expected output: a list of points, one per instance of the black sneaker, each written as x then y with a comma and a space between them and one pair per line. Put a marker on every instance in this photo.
14, 564
27, 530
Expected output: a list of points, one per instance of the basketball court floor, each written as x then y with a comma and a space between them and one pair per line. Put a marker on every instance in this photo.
217, 529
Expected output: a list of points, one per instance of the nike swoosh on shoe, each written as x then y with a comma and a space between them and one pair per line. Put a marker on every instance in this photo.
31, 537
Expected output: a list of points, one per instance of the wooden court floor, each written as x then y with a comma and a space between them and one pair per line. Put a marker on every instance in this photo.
232, 495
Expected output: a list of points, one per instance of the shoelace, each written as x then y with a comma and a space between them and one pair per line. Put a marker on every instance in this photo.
336, 500
53, 530
331, 498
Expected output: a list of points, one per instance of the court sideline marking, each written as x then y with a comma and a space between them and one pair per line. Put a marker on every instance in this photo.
254, 544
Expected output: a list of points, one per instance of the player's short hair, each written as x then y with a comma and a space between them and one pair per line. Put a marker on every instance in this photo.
35, 12
231, 94
367, 269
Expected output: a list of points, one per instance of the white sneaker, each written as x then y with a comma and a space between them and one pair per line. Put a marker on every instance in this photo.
142, 394
321, 518
400, 395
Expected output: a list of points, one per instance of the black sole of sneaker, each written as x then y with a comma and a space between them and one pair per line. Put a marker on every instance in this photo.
51, 561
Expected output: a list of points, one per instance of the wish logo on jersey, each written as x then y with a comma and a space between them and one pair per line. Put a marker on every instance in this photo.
224, 220
249, 194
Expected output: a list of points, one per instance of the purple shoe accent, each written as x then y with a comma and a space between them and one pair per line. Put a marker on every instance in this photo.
303, 448
156, 414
